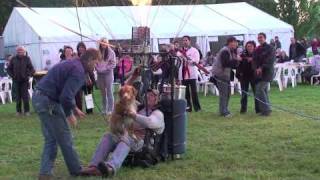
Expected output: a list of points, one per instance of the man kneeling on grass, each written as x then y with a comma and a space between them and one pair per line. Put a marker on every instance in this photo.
149, 117
53, 100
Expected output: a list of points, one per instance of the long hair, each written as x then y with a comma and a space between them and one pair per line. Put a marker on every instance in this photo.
245, 51
104, 52
90, 55
80, 44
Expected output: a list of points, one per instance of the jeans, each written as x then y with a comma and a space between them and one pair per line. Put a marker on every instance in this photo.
224, 96
263, 97
192, 84
244, 96
22, 95
120, 148
56, 131
105, 85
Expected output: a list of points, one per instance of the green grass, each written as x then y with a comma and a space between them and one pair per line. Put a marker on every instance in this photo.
282, 146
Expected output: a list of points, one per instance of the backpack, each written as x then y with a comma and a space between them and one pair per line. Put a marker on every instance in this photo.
152, 152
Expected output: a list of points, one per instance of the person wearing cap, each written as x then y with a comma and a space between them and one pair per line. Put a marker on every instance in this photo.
20, 69
227, 59
149, 117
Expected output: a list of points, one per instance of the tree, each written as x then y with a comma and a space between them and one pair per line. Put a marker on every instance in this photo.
6, 7
304, 15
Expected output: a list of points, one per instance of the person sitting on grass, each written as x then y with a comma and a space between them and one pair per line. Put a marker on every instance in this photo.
149, 117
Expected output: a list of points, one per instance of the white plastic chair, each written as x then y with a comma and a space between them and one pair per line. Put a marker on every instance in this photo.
201, 82
209, 85
30, 90
7, 89
278, 75
2, 93
313, 77
290, 73
235, 85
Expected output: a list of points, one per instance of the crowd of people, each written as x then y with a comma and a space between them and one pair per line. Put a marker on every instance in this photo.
58, 96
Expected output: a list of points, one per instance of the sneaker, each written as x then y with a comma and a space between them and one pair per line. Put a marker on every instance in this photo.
27, 114
228, 115
105, 170
90, 171
109, 113
18, 114
45, 177
188, 109
243, 111
266, 114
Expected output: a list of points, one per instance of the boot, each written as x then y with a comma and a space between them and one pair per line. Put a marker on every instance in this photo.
45, 177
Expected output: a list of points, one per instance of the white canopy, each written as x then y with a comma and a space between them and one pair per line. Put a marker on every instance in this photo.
43, 38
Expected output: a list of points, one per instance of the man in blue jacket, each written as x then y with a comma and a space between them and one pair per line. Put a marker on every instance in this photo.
53, 100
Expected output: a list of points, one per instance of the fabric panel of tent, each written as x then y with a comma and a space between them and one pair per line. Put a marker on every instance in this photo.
43, 38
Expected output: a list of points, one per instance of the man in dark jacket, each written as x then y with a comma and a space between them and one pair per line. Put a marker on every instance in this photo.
21, 69
53, 100
263, 59
296, 51
227, 60
278, 43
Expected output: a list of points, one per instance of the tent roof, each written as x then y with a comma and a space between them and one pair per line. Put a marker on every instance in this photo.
115, 22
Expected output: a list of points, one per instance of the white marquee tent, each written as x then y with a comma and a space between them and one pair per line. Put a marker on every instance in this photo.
43, 38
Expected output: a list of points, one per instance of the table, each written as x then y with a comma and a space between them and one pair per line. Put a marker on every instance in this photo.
39, 74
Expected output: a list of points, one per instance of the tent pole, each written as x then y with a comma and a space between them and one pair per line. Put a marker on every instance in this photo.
78, 20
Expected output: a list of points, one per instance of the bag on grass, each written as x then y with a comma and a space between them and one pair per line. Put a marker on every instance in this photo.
89, 101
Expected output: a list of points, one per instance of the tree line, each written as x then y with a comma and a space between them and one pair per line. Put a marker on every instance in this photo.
304, 15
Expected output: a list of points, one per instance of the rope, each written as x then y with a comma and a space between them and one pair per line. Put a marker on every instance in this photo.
130, 11
155, 14
62, 26
185, 22
183, 17
78, 19
207, 6
106, 27
71, 13
106, 24
196, 27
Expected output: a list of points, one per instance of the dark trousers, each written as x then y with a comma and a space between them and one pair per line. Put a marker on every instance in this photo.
263, 96
88, 90
224, 96
244, 96
155, 81
22, 94
191, 84
78, 99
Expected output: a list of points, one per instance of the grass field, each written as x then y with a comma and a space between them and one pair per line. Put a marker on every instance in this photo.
282, 146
